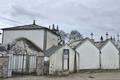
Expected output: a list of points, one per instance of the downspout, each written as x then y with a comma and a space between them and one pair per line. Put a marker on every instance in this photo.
44, 47
45, 40
75, 63
2, 37
100, 59
119, 59
27, 59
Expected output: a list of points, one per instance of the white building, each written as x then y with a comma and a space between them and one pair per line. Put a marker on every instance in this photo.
109, 55
88, 54
39, 35
26, 45
62, 58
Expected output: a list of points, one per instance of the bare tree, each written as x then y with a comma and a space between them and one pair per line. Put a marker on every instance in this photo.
75, 35
62, 37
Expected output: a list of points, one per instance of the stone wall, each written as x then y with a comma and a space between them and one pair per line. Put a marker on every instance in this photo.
40, 65
4, 66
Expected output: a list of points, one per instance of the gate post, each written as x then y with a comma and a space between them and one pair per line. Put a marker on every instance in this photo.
27, 63
40, 65
4, 66
100, 65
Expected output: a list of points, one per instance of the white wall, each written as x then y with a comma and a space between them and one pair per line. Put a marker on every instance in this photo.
36, 36
51, 40
77, 60
56, 60
109, 57
88, 56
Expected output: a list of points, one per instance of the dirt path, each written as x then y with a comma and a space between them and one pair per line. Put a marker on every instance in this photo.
77, 76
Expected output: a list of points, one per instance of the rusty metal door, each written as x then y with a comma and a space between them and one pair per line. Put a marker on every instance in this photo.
22, 63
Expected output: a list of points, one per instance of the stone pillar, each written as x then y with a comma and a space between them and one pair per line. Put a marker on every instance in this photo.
107, 35
40, 65
4, 66
118, 37
9, 65
92, 36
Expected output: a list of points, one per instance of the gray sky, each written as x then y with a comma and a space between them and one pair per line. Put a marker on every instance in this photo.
97, 16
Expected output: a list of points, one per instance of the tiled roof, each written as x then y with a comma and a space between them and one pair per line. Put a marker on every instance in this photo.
77, 43
51, 50
29, 27
25, 27
100, 45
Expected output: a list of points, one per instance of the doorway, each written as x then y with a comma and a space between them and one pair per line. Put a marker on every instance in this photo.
66, 59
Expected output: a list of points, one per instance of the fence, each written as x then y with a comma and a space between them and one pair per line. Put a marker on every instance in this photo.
24, 64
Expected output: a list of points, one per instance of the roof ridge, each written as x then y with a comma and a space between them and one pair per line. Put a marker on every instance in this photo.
24, 27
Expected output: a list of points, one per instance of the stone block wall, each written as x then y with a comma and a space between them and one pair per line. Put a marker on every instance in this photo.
40, 65
4, 66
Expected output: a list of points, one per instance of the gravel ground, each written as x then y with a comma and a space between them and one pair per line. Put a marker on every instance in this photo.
76, 76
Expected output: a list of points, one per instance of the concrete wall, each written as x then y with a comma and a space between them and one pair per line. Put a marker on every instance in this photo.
56, 60
36, 36
109, 57
51, 40
88, 56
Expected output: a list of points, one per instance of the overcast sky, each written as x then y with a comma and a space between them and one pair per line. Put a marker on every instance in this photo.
97, 16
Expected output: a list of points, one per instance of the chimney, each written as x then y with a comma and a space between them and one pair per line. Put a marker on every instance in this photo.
91, 35
114, 38
111, 38
107, 35
118, 37
101, 38
57, 28
53, 27
34, 23
49, 27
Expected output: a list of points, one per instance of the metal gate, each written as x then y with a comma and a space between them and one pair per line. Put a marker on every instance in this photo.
22, 63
